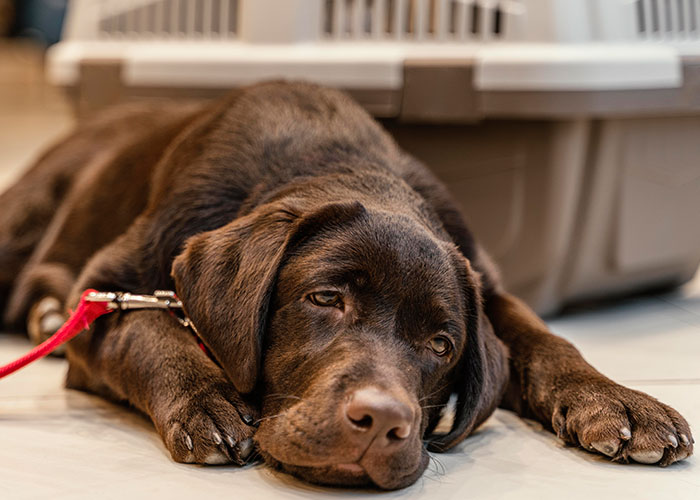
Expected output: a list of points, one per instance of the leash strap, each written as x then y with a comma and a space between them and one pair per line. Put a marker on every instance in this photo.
86, 312
94, 304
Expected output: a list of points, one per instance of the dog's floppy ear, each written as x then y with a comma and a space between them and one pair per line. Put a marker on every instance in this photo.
480, 376
225, 279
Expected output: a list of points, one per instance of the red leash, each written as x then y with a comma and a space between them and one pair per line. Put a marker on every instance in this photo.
86, 312
94, 304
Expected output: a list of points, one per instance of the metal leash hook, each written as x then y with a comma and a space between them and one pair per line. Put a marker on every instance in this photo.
125, 301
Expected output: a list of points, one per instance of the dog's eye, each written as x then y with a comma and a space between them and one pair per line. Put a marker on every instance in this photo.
326, 299
440, 345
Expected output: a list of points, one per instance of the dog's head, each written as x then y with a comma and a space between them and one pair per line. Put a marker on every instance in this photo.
355, 324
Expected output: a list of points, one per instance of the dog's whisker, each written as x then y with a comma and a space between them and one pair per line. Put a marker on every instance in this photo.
267, 418
439, 469
434, 392
282, 396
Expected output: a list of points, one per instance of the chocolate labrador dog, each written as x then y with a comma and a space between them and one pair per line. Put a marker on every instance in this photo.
334, 282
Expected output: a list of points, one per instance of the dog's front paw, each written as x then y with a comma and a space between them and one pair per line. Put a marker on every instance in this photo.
623, 424
212, 426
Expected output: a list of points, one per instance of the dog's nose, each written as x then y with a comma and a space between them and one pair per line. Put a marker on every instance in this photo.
373, 412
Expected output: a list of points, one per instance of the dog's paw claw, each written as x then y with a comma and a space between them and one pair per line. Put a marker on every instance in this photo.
245, 448
622, 424
216, 437
672, 441
207, 429
230, 441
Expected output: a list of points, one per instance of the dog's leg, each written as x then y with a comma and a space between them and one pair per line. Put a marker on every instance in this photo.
28, 208
40, 290
551, 382
148, 359
39, 294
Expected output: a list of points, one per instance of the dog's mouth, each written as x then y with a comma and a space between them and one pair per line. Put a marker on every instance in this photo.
350, 474
354, 468
343, 474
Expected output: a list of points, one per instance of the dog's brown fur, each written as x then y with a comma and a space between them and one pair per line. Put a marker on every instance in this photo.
245, 207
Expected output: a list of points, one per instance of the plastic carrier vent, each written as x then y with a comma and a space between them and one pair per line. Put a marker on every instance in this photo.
143, 19
668, 19
414, 19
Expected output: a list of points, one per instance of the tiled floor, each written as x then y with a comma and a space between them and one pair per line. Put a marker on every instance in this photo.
61, 444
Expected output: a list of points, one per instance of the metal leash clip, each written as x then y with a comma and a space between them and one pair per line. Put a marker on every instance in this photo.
125, 301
